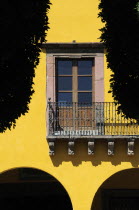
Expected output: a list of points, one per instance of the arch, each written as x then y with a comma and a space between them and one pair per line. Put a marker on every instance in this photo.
31, 187
123, 185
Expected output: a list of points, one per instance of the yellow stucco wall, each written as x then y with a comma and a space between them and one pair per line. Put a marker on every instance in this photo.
74, 20
26, 145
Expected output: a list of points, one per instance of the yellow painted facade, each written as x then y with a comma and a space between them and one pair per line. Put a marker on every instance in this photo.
27, 146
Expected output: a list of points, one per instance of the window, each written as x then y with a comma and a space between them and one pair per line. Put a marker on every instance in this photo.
74, 80
81, 62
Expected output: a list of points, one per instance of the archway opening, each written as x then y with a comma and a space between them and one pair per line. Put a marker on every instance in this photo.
119, 192
28, 188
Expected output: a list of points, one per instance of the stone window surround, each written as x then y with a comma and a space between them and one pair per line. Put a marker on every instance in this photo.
75, 50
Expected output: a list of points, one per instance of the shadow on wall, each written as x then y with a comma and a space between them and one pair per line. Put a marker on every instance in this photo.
28, 188
100, 155
120, 187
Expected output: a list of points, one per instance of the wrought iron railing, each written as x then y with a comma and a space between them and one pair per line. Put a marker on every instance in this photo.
88, 119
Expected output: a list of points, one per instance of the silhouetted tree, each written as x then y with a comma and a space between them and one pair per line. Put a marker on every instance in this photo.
23, 27
121, 38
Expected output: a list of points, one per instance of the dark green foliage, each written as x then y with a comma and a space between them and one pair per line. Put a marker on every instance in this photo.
121, 38
23, 24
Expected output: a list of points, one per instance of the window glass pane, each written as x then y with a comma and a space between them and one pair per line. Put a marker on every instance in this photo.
64, 97
64, 83
85, 67
64, 67
84, 83
85, 98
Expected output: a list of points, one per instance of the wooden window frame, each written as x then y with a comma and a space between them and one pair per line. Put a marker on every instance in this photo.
75, 76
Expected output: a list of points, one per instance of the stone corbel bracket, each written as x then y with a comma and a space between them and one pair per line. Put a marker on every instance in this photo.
91, 144
71, 147
130, 146
110, 147
51, 148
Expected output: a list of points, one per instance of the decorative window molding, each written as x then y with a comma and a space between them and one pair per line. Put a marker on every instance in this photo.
75, 51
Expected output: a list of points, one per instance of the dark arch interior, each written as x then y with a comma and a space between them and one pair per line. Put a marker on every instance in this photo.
119, 192
28, 188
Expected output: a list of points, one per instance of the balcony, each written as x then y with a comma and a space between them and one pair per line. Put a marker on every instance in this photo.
88, 120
